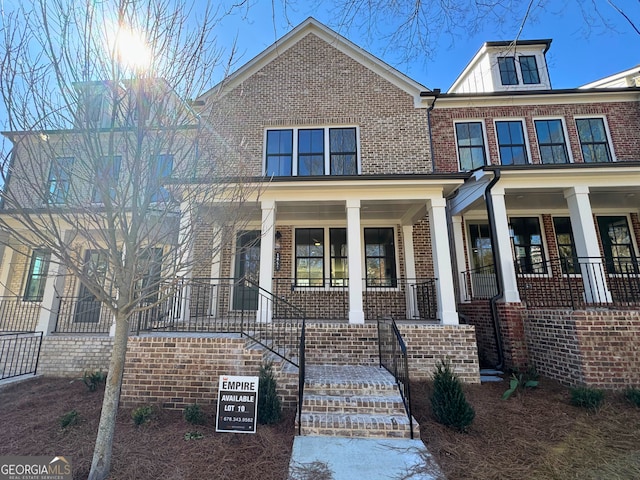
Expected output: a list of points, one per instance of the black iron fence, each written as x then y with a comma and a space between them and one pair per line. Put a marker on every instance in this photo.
580, 282
407, 298
393, 357
19, 353
321, 298
16, 315
479, 283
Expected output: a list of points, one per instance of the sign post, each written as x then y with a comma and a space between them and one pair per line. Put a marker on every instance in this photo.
237, 404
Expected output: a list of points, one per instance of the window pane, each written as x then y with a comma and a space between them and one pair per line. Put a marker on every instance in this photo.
60, 179
470, 145
527, 242
343, 151
529, 69
338, 252
593, 140
511, 143
309, 250
380, 257
37, 276
279, 153
107, 174
160, 170
507, 68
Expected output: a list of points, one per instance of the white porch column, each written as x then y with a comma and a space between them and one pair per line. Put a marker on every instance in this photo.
587, 245
442, 261
50, 303
458, 245
354, 252
410, 271
267, 244
5, 267
505, 255
184, 257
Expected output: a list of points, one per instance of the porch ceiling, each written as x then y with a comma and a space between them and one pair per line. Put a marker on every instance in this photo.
553, 198
389, 210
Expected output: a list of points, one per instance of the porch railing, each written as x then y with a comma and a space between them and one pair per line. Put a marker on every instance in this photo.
16, 315
393, 357
580, 282
408, 298
479, 283
19, 353
321, 298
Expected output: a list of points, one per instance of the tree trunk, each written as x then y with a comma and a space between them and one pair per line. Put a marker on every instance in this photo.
101, 463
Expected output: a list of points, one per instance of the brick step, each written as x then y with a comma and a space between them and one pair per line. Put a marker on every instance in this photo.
358, 404
361, 426
350, 389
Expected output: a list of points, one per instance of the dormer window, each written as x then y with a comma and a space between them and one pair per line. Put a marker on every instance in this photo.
508, 75
529, 69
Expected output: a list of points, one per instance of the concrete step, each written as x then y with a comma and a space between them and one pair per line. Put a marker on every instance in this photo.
353, 404
361, 426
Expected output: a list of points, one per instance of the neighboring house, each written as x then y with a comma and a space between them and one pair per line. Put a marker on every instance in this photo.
546, 227
377, 197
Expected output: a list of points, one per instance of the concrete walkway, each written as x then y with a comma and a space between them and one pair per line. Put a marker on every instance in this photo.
341, 458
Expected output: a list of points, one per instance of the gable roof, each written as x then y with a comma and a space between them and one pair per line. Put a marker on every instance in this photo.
617, 79
312, 26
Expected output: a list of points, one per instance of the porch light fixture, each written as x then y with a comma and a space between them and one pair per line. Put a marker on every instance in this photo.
278, 238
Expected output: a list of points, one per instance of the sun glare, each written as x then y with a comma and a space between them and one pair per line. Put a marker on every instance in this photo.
131, 49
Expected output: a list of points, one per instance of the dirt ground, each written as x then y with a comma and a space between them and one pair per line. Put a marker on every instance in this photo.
538, 435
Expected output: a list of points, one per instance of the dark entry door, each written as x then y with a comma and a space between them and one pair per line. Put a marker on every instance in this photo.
88, 306
247, 267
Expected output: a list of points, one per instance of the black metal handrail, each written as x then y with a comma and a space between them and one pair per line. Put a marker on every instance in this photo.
301, 374
18, 315
321, 298
410, 298
393, 357
580, 282
479, 283
19, 353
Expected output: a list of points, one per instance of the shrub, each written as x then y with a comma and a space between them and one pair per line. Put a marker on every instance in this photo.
269, 406
585, 397
194, 414
633, 396
69, 419
142, 415
520, 382
195, 435
93, 379
448, 402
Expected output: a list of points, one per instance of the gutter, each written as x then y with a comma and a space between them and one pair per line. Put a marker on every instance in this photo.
436, 93
495, 253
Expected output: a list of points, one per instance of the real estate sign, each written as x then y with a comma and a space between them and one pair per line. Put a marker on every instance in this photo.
237, 404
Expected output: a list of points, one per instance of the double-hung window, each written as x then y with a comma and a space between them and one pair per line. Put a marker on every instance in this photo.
508, 74
593, 140
617, 244
379, 252
159, 170
566, 245
107, 173
527, 245
511, 142
59, 181
551, 141
471, 149
529, 69
309, 257
37, 276
311, 151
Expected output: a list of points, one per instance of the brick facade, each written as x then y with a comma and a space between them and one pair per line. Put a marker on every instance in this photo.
71, 356
622, 118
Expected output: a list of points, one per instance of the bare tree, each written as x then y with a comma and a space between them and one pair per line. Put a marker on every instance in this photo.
109, 156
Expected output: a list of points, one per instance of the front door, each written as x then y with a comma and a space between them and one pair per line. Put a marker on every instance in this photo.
88, 306
247, 267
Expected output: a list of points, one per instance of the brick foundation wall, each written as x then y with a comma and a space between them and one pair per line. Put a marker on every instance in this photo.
514, 344
343, 344
596, 348
478, 314
71, 356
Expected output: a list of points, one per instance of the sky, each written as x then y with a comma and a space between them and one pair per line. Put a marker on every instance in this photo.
578, 55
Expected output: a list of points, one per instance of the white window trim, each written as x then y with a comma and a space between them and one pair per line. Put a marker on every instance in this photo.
540, 63
567, 143
545, 246
606, 130
327, 153
525, 135
484, 139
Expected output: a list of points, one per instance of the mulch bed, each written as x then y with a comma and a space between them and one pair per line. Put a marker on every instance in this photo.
535, 435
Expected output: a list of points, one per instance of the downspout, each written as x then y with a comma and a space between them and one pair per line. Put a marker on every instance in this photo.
495, 253
436, 92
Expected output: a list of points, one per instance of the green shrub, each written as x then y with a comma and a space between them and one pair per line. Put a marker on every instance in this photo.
448, 402
93, 379
520, 382
633, 396
195, 435
194, 414
69, 419
142, 415
586, 397
269, 405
